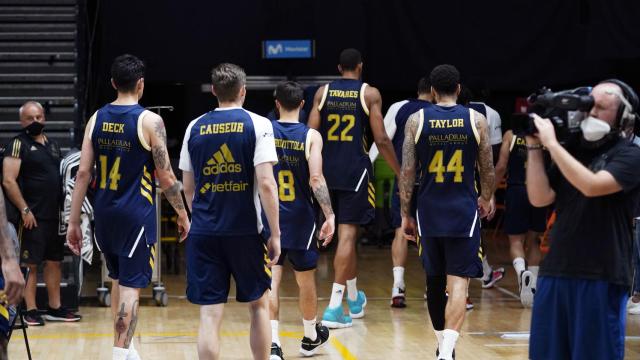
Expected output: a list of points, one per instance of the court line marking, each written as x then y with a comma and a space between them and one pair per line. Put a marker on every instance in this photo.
342, 350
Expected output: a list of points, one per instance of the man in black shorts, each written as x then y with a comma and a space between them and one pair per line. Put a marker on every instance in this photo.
32, 184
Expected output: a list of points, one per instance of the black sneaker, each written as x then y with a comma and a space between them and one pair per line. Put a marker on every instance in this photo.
308, 347
276, 352
61, 314
33, 318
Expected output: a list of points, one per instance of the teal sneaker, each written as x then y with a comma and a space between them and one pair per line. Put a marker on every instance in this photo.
334, 318
356, 308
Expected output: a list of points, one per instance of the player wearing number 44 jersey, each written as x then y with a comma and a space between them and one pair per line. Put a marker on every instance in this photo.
129, 144
446, 140
300, 179
347, 112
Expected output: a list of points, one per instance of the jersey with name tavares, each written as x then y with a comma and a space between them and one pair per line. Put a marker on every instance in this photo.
124, 201
347, 136
297, 212
517, 164
222, 148
447, 149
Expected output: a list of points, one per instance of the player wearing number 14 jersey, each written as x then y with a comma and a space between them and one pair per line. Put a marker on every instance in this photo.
347, 112
128, 145
445, 141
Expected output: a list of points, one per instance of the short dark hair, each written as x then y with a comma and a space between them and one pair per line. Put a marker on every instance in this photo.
424, 85
126, 70
289, 94
466, 95
445, 79
350, 59
227, 80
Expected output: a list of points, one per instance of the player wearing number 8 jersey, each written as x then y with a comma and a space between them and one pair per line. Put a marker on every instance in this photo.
446, 140
129, 144
347, 112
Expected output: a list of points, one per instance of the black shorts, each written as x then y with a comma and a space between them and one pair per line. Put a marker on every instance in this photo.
301, 259
452, 255
520, 216
396, 214
41, 243
355, 207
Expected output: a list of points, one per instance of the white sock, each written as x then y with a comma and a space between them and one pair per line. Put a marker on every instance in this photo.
440, 338
336, 295
275, 337
486, 269
519, 266
133, 354
310, 329
120, 353
352, 290
398, 277
534, 271
448, 343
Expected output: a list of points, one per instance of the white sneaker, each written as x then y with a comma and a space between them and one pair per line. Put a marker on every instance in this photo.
633, 307
526, 289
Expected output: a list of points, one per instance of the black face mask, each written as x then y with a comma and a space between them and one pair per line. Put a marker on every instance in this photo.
34, 129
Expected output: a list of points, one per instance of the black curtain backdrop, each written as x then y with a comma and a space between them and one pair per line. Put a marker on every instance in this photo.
510, 47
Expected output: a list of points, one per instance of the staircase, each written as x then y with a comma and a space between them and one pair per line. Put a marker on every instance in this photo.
38, 62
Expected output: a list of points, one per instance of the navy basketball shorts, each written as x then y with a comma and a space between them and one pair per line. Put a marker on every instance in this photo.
520, 216
577, 319
41, 243
396, 215
301, 260
458, 256
212, 260
355, 207
135, 269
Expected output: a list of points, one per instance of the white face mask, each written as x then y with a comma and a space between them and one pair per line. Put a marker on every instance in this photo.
594, 129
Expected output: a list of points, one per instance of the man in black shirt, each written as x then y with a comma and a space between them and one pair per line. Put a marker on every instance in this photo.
580, 302
31, 179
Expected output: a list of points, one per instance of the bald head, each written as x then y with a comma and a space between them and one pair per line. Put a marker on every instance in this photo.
607, 100
31, 111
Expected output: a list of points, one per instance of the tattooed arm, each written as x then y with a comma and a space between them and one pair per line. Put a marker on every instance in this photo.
485, 166
156, 134
13, 280
407, 178
319, 186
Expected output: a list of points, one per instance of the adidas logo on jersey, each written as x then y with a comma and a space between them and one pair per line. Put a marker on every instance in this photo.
222, 162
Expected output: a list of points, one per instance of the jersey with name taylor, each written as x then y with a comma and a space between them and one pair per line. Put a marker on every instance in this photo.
347, 136
221, 147
447, 149
297, 213
516, 166
125, 188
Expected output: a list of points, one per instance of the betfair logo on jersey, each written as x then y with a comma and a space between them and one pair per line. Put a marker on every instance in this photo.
222, 162
113, 127
446, 124
224, 128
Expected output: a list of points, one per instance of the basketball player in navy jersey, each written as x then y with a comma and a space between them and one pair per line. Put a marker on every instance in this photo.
523, 222
300, 179
445, 141
394, 122
227, 160
129, 144
347, 112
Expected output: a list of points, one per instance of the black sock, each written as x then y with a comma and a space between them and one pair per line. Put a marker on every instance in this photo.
436, 300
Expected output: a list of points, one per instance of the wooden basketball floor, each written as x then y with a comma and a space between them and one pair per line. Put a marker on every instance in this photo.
496, 329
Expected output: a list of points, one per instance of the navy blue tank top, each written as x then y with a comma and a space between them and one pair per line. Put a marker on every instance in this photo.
221, 146
125, 187
517, 165
447, 149
345, 130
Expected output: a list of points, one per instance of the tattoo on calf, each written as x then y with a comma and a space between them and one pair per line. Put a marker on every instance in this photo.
120, 326
132, 324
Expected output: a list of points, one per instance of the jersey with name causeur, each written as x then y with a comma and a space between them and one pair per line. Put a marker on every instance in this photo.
125, 189
297, 214
345, 130
447, 148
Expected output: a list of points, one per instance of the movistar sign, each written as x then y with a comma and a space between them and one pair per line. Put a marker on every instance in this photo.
288, 49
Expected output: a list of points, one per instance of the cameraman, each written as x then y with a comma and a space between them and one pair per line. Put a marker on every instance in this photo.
580, 303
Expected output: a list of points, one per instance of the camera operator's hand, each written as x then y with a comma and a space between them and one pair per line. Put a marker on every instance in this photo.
546, 132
